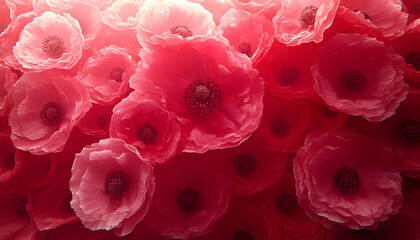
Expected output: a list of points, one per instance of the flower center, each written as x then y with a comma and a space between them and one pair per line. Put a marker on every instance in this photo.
353, 81
279, 128
51, 113
288, 77
413, 58
182, 31
286, 203
307, 17
410, 130
9, 161
147, 134
53, 46
203, 97
116, 184
116, 74
245, 48
188, 200
244, 164
346, 180
243, 235
367, 17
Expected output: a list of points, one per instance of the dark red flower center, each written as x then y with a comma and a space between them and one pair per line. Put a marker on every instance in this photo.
243, 235
410, 130
9, 161
53, 46
346, 180
286, 203
116, 184
20, 208
51, 113
279, 128
288, 76
147, 134
188, 200
353, 81
203, 96
244, 164
413, 58
367, 17
245, 48
307, 17
117, 74
182, 31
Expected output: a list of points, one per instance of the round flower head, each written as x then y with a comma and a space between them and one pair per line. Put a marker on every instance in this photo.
347, 179
304, 21
359, 75
190, 198
387, 21
146, 125
122, 14
46, 107
112, 186
172, 22
214, 93
106, 74
247, 33
50, 41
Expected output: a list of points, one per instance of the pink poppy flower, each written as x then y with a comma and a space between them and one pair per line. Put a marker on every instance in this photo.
283, 128
305, 21
7, 79
173, 22
106, 74
14, 215
249, 34
249, 167
344, 178
112, 186
387, 21
146, 125
215, 93
125, 39
46, 107
216, 7
293, 223
9, 39
122, 14
359, 75
19, 7
96, 121
50, 41
244, 221
286, 70
190, 197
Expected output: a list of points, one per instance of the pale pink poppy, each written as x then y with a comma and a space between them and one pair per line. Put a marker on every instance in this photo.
112, 186
387, 21
7, 79
217, 7
45, 108
8, 39
190, 198
122, 14
344, 178
120, 38
359, 75
50, 41
304, 21
173, 22
146, 125
249, 34
57, 6
106, 74
214, 92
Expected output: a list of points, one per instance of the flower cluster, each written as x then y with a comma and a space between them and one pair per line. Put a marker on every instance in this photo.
209, 119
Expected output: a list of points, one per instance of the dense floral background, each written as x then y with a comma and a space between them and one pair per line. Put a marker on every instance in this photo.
210, 119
